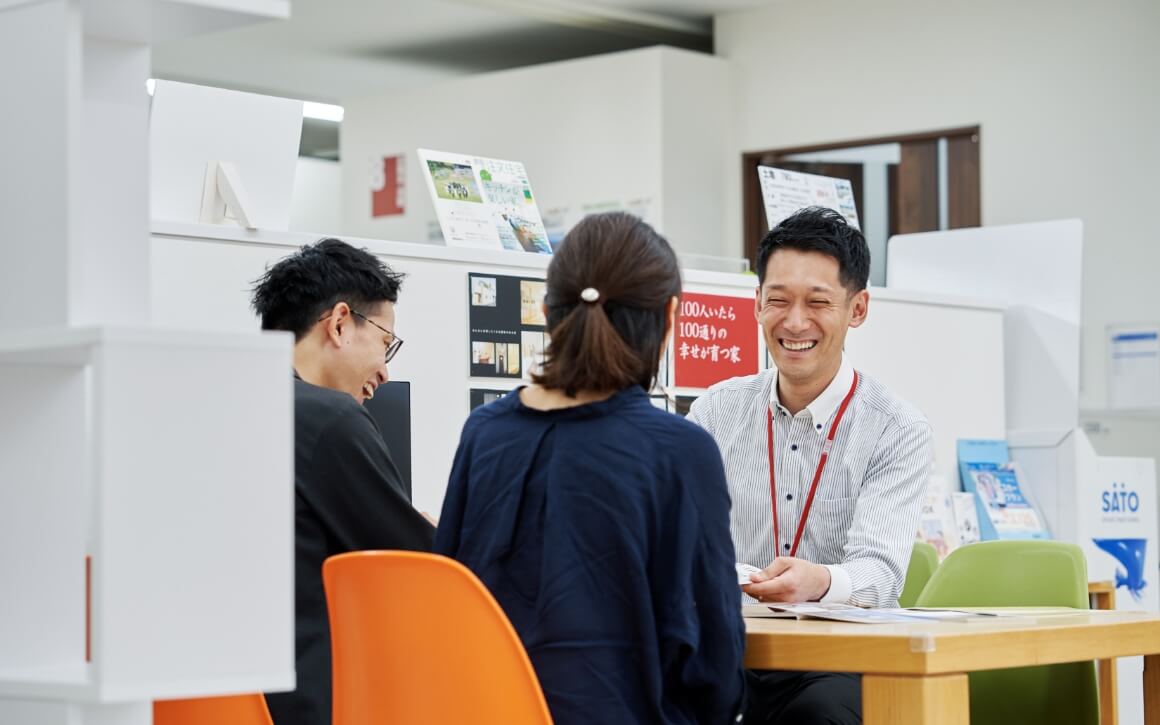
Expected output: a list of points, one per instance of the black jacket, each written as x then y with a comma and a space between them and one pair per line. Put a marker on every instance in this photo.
348, 497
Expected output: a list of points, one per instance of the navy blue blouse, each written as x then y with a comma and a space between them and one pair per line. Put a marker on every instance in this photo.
603, 532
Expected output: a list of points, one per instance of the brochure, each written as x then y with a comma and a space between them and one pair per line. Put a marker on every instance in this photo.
883, 615
484, 203
1003, 510
966, 517
937, 525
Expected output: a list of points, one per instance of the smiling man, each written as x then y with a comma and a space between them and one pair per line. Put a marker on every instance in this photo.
825, 465
340, 304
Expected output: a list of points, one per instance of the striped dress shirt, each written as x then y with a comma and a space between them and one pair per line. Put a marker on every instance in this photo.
865, 513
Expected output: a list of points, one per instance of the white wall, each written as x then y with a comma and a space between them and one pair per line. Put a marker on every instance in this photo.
695, 114
316, 204
642, 128
1065, 92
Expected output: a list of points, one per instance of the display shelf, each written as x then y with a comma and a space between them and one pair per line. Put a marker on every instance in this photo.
146, 517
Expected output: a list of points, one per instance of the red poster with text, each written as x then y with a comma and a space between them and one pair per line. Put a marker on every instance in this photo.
716, 339
387, 187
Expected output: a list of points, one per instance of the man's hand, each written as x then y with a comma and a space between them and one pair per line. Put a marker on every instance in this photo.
789, 579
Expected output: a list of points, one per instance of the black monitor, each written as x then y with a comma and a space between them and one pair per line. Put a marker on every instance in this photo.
391, 409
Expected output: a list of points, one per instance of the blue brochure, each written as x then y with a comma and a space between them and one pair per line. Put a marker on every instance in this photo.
1000, 499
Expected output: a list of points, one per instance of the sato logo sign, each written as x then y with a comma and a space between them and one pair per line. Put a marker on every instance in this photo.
1119, 499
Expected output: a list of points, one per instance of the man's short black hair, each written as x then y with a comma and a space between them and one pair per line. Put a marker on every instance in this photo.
818, 229
294, 293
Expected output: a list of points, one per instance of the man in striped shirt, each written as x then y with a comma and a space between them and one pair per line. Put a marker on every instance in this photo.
825, 465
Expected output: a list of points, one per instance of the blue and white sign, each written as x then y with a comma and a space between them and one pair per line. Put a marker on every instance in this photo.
1134, 367
1118, 532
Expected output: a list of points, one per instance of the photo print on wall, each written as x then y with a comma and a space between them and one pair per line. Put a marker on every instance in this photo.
483, 396
506, 325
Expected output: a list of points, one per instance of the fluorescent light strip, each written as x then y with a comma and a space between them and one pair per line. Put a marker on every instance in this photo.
322, 111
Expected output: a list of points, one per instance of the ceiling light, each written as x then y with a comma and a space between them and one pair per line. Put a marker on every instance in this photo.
322, 111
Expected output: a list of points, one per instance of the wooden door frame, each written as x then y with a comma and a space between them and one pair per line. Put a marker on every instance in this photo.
754, 225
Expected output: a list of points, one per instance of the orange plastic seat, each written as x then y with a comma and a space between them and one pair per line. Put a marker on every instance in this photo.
417, 638
228, 710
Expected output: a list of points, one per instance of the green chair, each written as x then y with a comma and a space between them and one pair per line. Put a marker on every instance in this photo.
1021, 574
923, 562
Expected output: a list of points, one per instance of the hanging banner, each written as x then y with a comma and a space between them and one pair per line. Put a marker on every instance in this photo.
716, 339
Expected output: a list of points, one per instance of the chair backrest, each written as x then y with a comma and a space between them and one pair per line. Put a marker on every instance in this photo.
1029, 574
923, 562
231, 710
416, 638
1010, 573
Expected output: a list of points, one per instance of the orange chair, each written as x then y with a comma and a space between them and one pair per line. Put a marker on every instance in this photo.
416, 638
229, 710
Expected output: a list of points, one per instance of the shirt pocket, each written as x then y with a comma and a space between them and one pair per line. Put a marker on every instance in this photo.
830, 521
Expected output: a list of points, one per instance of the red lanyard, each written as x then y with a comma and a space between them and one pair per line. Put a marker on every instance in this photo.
817, 473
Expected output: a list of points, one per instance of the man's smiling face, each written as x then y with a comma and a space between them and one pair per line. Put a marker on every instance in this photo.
804, 312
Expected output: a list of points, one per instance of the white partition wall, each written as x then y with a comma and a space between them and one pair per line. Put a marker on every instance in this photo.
943, 355
201, 278
1035, 271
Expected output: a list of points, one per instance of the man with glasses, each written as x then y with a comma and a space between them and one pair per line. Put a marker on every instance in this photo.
340, 304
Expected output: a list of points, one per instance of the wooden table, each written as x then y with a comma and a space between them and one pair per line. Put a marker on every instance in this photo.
917, 673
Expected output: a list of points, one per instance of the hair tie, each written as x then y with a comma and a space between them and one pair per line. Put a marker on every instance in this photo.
590, 295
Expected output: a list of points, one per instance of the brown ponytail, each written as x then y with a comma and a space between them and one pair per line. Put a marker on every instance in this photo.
609, 285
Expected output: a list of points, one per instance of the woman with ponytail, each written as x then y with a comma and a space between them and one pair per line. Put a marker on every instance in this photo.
600, 522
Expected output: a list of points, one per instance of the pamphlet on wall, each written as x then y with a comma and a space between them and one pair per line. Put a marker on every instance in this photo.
784, 192
484, 203
1003, 508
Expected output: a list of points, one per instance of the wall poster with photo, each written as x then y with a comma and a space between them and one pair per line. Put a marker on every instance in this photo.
506, 325
483, 396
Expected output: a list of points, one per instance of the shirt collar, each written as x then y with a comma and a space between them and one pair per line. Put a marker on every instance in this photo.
824, 406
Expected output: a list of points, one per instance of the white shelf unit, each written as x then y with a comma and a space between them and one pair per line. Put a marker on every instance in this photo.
165, 460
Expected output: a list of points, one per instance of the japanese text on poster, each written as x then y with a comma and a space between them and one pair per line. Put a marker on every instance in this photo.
716, 339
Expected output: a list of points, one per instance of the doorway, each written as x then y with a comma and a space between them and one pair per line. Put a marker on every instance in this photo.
918, 182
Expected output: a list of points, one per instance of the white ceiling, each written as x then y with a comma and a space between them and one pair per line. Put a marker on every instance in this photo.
333, 49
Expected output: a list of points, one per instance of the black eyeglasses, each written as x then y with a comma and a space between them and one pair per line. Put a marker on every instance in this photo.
396, 341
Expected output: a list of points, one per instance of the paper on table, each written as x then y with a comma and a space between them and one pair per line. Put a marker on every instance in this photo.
889, 615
